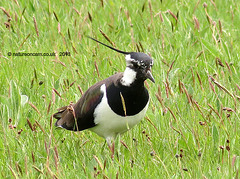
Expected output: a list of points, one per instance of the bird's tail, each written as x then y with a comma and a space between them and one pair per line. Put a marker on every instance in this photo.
65, 118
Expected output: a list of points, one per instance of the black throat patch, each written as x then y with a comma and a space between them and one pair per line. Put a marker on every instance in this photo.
135, 99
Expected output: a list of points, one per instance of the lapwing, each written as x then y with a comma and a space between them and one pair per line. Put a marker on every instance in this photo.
114, 105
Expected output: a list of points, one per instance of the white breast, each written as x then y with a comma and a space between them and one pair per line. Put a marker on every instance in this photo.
108, 123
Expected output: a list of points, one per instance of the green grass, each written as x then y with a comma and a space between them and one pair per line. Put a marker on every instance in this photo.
189, 131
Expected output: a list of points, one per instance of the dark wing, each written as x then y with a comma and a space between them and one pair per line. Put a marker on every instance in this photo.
80, 116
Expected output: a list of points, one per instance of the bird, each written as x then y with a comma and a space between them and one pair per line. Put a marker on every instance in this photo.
114, 105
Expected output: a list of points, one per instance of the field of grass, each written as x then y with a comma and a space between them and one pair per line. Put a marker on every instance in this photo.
191, 129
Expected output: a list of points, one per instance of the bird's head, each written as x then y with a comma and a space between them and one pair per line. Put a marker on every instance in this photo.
140, 63
138, 68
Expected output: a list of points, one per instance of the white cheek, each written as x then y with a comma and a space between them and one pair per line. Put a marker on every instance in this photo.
129, 76
130, 60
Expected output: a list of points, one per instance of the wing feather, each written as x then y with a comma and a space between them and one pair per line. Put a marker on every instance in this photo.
80, 116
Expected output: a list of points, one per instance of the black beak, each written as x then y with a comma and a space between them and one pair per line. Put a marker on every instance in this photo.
149, 75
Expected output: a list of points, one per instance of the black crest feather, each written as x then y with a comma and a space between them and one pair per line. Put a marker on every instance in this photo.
119, 51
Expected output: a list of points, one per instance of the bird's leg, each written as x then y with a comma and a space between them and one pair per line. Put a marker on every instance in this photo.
111, 146
112, 149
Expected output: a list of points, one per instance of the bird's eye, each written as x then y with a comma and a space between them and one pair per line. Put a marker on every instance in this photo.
151, 64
